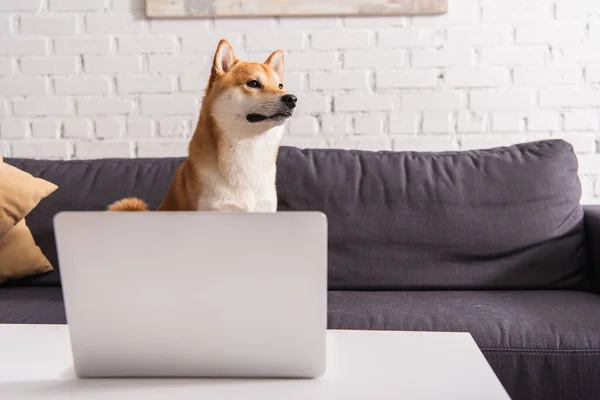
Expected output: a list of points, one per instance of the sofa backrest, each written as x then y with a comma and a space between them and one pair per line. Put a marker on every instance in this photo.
505, 218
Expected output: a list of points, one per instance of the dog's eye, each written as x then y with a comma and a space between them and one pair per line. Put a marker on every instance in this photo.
281, 86
254, 84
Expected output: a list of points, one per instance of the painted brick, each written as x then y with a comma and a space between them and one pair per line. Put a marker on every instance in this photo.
514, 55
547, 75
14, 129
146, 84
365, 102
374, 144
341, 39
362, 59
486, 35
581, 120
103, 149
191, 43
575, 54
50, 65
114, 23
251, 24
140, 127
193, 83
293, 81
404, 122
303, 126
438, 122
46, 128
147, 44
20, 5
406, 79
434, 101
405, 38
23, 85
551, 32
78, 84
311, 23
179, 64
174, 127
3, 108
7, 66
477, 77
112, 64
576, 9
338, 80
77, 5
56, 25
509, 99
360, 21
304, 142
471, 122
162, 149
508, 121
23, 46
538, 121
582, 142
104, 106
570, 97
6, 25
369, 124
38, 149
282, 39
309, 103
43, 106
110, 127
193, 27
5, 149
168, 104
432, 58
86, 45
424, 144
589, 163
592, 74
474, 142
515, 11
336, 124
310, 60
78, 128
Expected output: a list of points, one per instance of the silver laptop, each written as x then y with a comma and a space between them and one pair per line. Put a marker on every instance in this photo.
194, 294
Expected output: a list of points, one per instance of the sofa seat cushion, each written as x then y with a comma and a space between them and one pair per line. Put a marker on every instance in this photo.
542, 345
31, 305
519, 320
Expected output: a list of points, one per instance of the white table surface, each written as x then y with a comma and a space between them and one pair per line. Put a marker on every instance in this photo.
36, 363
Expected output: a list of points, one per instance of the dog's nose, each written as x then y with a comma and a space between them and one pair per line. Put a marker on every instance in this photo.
289, 100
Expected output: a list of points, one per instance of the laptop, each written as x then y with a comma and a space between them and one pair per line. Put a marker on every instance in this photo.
195, 294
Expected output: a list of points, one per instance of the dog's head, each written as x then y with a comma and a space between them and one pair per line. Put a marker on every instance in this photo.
248, 96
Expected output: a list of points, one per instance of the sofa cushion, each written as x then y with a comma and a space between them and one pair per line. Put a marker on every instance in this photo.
503, 218
89, 185
536, 341
31, 305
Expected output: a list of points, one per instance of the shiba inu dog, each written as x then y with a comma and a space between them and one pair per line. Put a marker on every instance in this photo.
231, 158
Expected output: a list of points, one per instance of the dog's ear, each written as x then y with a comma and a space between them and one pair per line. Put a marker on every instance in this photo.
224, 58
275, 61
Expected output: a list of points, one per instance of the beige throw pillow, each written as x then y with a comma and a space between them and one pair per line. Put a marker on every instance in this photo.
20, 192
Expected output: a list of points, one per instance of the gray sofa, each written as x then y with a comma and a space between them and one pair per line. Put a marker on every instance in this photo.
492, 242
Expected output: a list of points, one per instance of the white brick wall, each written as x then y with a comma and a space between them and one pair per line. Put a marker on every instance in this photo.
95, 78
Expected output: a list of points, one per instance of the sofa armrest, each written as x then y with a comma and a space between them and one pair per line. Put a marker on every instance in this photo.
591, 221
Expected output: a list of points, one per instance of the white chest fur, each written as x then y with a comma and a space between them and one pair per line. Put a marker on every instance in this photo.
246, 181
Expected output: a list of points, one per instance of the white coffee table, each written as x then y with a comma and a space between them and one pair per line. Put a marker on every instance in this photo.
36, 363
